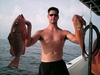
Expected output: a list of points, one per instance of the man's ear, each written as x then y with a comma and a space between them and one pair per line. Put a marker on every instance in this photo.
58, 16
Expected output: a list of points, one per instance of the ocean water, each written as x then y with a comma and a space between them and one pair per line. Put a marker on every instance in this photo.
29, 62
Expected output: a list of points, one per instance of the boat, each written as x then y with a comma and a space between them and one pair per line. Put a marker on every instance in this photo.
79, 66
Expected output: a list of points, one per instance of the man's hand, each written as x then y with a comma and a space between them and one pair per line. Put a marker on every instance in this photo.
28, 23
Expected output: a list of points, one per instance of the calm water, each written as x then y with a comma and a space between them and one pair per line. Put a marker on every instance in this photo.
29, 62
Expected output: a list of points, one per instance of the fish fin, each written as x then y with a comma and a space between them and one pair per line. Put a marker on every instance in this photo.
24, 39
12, 51
24, 47
11, 44
14, 63
23, 51
10, 38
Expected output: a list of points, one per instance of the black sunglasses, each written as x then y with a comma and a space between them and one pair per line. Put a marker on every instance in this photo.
53, 15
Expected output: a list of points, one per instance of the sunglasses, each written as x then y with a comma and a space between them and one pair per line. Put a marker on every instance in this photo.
53, 15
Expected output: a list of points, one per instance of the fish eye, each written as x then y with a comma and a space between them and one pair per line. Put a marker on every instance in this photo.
16, 22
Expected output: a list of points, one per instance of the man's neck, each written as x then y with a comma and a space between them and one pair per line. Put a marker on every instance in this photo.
53, 26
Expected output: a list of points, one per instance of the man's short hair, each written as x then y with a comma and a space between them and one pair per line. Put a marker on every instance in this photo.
53, 8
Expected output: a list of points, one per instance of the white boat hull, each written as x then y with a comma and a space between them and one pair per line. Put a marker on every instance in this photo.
78, 66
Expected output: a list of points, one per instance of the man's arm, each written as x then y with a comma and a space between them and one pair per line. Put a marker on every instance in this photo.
29, 27
31, 40
71, 37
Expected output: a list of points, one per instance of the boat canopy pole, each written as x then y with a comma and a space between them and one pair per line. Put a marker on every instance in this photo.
90, 43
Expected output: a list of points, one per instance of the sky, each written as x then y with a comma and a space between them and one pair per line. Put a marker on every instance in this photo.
35, 11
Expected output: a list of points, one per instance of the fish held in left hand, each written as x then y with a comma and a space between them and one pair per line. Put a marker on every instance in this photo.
17, 40
78, 23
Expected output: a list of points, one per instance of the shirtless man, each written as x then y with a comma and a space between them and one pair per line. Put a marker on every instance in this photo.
52, 40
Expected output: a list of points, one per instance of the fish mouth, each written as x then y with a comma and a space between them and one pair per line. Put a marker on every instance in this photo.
21, 15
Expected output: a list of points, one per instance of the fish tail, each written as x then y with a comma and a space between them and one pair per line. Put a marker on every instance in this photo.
14, 63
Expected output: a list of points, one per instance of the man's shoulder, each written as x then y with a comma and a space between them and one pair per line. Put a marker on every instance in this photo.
66, 32
39, 31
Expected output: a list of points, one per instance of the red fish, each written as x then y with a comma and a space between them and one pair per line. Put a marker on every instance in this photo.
96, 59
17, 38
78, 23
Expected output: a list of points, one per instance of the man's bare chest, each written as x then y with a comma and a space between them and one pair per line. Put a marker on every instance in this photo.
53, 37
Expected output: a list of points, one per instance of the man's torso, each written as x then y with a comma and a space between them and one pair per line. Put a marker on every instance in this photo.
52, 43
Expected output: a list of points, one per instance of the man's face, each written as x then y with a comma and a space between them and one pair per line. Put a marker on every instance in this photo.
53, 16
